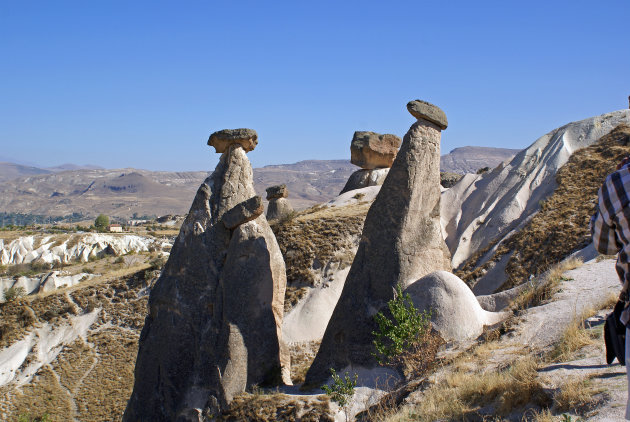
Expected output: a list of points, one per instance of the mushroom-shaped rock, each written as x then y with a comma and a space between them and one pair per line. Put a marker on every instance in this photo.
215, 314
455, 311
422, 110
400, 243
221, 140
278, 191
279, 207
246, 211
371, 150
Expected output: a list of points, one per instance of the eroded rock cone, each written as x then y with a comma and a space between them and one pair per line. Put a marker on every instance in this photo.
279, 206
215, 313
401, 242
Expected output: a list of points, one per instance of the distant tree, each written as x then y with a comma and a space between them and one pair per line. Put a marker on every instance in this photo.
101, 222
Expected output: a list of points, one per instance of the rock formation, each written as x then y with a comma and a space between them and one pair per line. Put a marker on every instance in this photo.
483, 210
401, 242
375, 154
455, 312
279, 207
215, 313
221, 140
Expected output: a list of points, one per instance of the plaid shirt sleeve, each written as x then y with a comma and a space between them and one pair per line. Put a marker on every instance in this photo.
612, 199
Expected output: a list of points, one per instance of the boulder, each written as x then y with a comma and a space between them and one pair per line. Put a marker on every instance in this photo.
448, 179
221, 140
370, 150
363, 178
213, 327
422, 110
455, 312
278, 209
401, 242
278, 191
243, 212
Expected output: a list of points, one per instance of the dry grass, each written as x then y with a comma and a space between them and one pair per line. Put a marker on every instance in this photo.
561, 225
543, 415
277, 407
461, 395
314, 236
302, 356
292, 296
539, 293
576, 337
576, 395
89, 380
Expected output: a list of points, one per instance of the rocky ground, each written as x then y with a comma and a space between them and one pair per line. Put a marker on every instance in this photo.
550, 365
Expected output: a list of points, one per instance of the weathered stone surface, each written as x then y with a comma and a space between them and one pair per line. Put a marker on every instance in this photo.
364, 178
401, 242
278, 209
422, 110
243, 212
371, 150
278, 191
215, 312
221, 140
448, 179
455, 312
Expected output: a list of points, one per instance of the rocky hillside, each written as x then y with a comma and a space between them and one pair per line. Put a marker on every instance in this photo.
69, 352
122, 192
482, 211
471, 159
561, 226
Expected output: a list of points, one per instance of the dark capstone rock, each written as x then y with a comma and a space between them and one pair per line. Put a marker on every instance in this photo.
370, 150
401, 242
427, 111
278, 191
221, 140
243, 212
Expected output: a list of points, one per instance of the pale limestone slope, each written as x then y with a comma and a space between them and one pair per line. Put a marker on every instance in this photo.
482, 208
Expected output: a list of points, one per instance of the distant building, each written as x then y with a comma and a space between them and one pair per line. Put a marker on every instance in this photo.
115, 228
136, 222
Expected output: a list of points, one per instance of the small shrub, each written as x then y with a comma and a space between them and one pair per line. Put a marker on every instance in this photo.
405, 328
341, 390
13, 293
157, 263
26, 317
359, 196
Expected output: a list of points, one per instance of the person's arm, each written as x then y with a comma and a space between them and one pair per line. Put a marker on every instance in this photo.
602, 227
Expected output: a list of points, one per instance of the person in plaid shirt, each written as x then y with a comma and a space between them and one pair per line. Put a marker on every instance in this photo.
610, 230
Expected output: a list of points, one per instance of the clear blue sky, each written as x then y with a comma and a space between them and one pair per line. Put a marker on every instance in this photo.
144, 83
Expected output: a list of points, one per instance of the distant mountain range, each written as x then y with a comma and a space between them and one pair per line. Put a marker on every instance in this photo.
90, 190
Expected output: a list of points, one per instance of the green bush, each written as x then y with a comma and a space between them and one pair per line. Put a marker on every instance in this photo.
406, 327
341, 390
13, 293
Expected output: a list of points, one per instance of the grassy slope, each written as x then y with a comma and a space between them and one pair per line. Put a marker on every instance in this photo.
561, 226
90, 379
